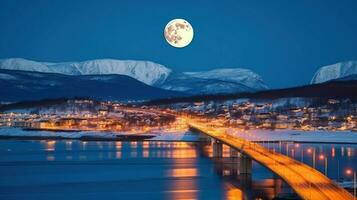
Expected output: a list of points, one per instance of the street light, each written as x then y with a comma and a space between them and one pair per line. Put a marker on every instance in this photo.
322, 157
309, 150
313, 151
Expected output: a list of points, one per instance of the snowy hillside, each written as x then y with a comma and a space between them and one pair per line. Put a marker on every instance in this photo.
24, 85
214, 81
144, 71
23, 64
194, 85
235, 75
335, 71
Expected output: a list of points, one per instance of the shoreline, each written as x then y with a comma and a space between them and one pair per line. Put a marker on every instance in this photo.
83, 138
149, 138
258, 136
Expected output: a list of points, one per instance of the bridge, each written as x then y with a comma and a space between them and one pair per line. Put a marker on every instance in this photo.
306, 181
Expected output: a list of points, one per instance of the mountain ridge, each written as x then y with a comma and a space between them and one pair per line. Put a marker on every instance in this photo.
150, 73
17, 85
334, 71
130, 68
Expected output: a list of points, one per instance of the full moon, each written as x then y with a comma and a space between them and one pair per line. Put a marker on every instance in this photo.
178, 33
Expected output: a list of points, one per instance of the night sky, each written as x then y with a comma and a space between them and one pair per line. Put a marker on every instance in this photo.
284, 41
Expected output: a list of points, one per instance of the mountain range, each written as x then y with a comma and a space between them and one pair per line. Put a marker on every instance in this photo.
145, 71
22, 79
16, 85
226, 80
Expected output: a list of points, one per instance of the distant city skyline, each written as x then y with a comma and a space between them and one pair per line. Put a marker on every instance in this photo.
283, 41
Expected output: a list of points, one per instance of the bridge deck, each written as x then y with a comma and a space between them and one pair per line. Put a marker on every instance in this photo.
307, 182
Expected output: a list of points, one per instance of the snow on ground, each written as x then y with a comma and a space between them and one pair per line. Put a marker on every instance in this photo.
160, 136
253, 135
16, 132
297, 136
176, 136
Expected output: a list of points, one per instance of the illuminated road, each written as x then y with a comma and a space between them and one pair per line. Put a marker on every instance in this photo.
307, 182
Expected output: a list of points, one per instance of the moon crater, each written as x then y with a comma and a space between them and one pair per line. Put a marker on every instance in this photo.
178, 33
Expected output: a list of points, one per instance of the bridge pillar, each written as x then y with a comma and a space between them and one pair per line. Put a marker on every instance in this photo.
233, 153
245, 164
277, 185
245, 180
217, 148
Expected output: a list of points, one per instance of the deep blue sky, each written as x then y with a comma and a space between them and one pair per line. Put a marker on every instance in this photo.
284, 41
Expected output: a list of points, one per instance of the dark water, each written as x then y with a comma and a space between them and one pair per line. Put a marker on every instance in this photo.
337, 161
144, 170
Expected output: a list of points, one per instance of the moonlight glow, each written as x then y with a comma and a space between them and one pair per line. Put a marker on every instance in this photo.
178, 33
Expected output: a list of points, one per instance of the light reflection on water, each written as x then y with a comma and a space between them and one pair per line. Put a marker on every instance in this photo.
150, 170
183, 172
262, 184
331, 159
50, 145
125, 170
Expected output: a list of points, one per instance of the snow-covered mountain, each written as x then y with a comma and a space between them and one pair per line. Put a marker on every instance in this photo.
192, 85
335, 71
226, 80
144, 71
214, 81
234, 75
25, 85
